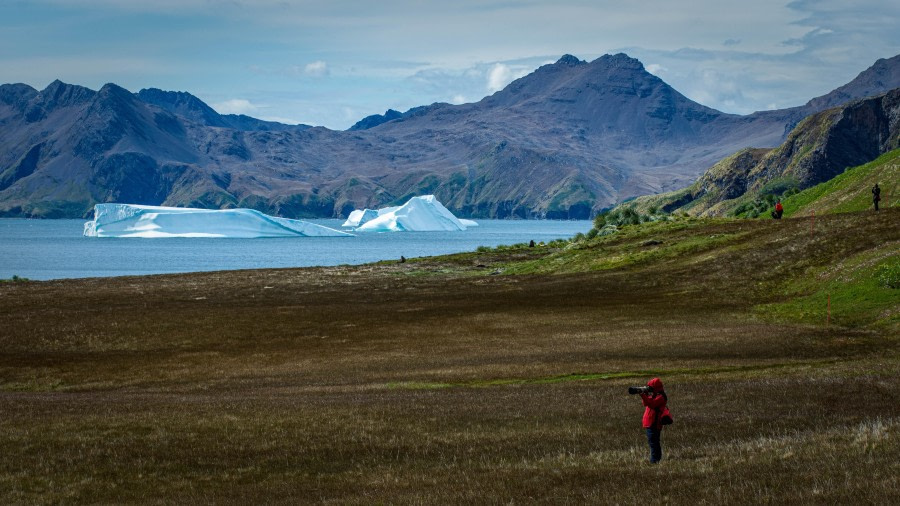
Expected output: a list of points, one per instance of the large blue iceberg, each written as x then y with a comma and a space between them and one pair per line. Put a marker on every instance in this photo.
128, 220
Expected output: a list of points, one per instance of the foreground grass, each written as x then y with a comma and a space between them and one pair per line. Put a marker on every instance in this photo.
555, 443
434, 381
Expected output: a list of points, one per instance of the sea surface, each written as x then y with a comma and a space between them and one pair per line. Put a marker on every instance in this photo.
54, 249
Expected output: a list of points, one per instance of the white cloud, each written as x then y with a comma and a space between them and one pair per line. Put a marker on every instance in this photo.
282, 119
316, 69
255, 110
655, 69
464, 84
502, 74
719, 86
236, 106
351, 114
498, 77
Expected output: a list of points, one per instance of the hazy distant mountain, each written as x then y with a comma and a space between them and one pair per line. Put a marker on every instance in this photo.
883, 75
564, 141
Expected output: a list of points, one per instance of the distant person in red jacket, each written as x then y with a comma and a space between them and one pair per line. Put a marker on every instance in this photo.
779, 210
654, 398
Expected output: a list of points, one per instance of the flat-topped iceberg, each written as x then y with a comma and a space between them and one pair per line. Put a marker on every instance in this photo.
419, 214
128, 220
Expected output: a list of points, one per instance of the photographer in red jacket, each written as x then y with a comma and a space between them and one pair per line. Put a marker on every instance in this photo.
779, 210
654, 398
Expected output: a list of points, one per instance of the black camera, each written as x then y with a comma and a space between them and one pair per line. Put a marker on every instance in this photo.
639, 390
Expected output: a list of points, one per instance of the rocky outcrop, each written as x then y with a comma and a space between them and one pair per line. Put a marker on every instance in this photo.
375, 120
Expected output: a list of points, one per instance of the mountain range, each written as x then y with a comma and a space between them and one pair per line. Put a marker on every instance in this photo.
565, 141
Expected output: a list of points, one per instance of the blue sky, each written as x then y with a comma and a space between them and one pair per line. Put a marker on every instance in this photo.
333, 62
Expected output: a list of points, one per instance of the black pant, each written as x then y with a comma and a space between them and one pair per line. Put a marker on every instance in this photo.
876, 204
655, 445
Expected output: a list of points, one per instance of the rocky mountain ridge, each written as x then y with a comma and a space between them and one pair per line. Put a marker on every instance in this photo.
192, 108
821, 147
567, 140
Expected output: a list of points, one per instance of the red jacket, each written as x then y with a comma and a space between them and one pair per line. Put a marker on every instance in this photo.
779, 207
655, 402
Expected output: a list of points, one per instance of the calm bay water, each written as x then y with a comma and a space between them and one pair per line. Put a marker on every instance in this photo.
52, 249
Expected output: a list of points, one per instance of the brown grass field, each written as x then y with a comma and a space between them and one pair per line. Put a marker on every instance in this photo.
491, 377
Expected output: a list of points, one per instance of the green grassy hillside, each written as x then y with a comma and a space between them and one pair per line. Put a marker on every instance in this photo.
850, 191
795, 261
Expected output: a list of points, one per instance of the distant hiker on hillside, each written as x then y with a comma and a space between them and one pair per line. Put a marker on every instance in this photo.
656, 414
779, 210
876, 195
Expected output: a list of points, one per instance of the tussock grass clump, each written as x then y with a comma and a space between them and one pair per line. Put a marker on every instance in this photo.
15, 279
610, 221
889, 274
761, 204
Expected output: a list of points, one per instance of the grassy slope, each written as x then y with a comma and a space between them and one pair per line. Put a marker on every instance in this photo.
850, 191
435, 381
802, 278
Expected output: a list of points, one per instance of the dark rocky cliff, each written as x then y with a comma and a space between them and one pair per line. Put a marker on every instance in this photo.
826, 143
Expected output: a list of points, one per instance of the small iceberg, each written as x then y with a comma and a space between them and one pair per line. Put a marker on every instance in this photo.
128, 220
419, 214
